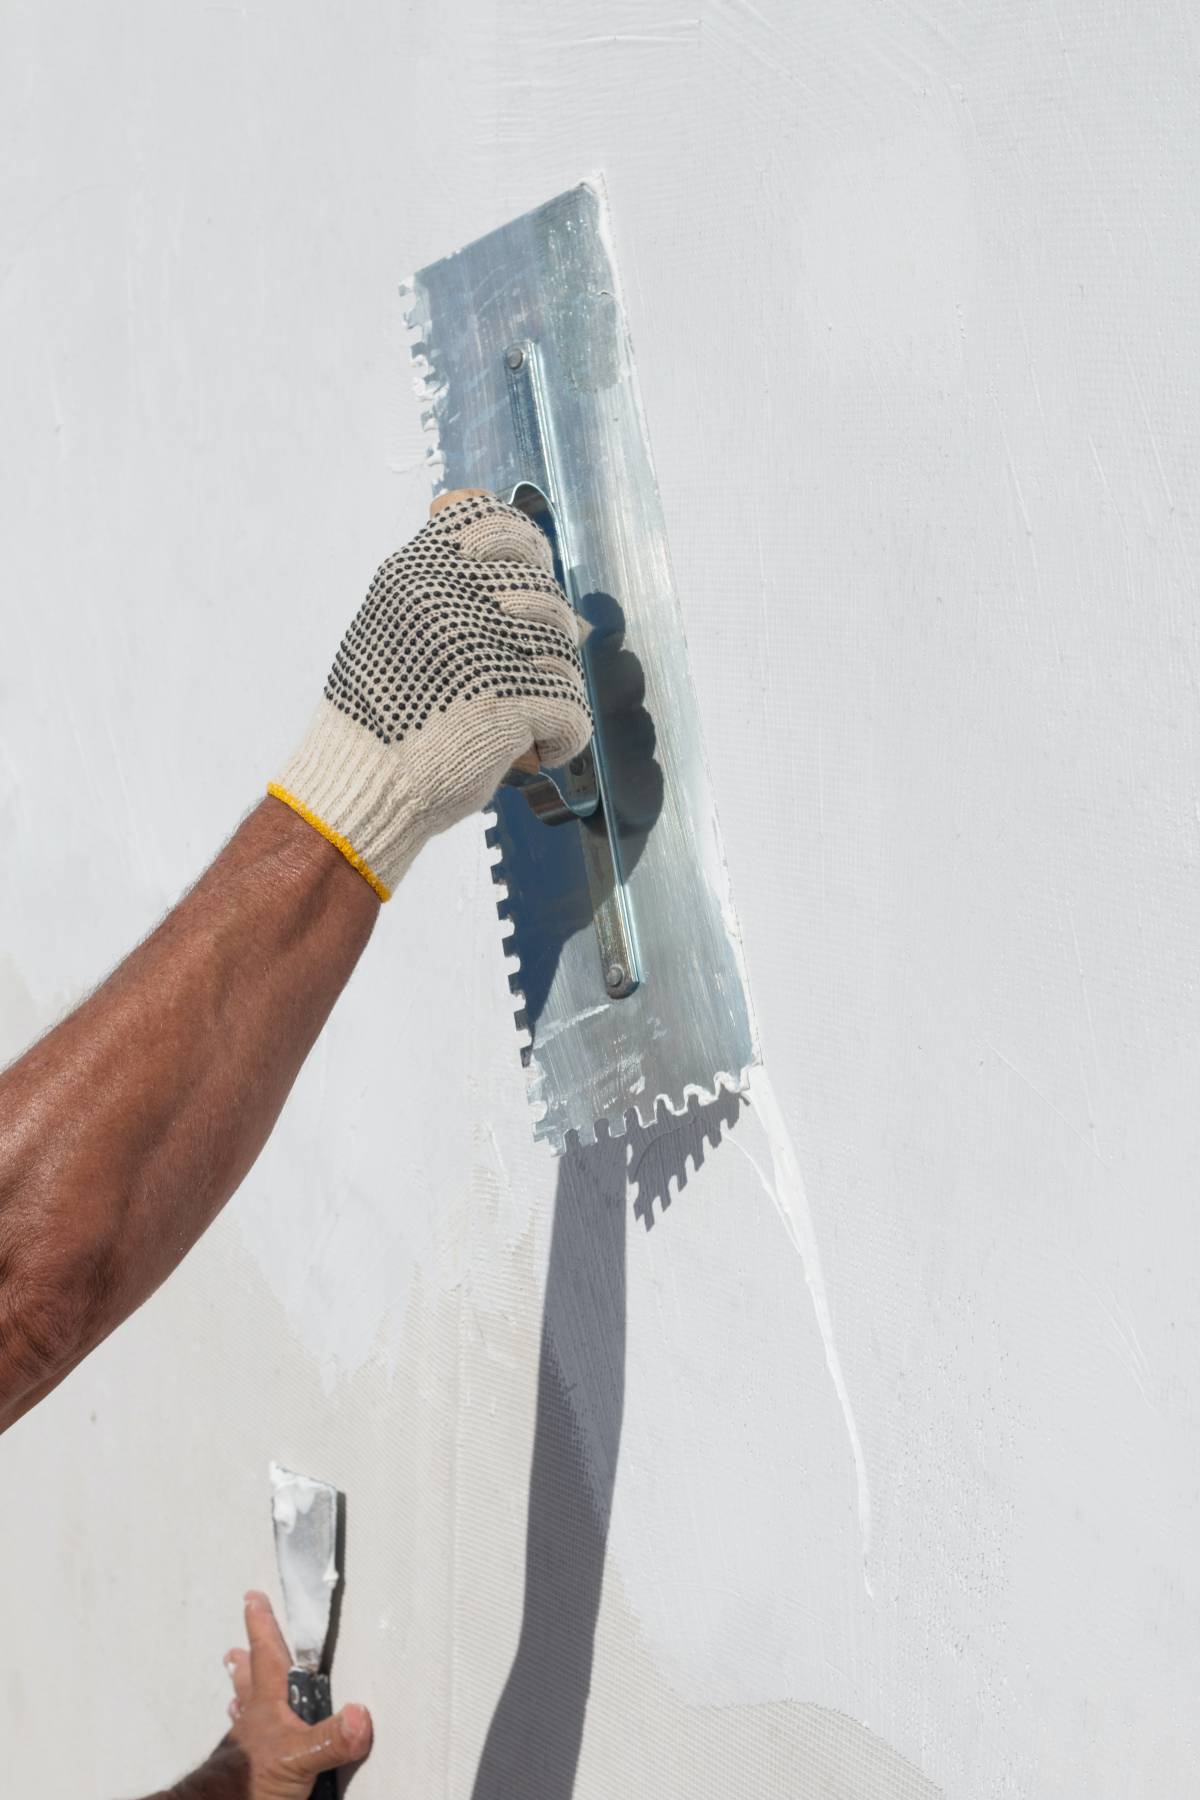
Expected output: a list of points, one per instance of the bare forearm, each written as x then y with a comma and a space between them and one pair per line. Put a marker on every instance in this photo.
125, 1129
225, 1776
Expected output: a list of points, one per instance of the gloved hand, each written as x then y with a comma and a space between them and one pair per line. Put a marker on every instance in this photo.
463, 656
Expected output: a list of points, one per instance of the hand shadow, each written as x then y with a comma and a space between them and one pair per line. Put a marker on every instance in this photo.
532, 1747
543, 865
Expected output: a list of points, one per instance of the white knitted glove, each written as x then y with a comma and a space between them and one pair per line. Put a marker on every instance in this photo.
463, 656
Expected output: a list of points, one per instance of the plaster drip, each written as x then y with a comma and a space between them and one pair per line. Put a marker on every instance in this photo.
788, 1196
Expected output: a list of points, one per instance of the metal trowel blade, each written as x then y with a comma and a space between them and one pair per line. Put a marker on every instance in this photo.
631, 986
304, 1514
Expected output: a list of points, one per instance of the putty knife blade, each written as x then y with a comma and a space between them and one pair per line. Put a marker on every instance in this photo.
304, 1513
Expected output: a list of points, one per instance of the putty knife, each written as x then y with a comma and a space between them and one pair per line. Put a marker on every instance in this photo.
305, 1516
631, 987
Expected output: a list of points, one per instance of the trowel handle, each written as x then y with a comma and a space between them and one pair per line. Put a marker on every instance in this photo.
309, 1698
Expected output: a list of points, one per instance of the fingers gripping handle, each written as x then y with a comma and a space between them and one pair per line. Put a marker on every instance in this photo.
530, 762
441, 500
309, 1698
462, 655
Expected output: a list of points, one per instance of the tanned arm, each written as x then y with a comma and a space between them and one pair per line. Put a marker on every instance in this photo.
124, 1131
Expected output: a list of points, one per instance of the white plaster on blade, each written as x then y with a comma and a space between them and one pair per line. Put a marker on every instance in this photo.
786, 1191
586, 1012
426, 385
308, 1600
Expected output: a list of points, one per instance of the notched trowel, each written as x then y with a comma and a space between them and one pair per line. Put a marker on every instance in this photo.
617, 902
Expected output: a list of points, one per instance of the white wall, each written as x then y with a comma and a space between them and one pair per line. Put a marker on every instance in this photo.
913, 292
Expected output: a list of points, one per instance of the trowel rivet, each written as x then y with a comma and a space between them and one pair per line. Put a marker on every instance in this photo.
514, 357
614, 975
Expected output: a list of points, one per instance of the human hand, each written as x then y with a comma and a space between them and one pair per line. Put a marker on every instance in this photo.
464, 655
284, 1755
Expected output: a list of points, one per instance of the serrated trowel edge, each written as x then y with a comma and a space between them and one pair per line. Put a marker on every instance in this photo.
645, 1107
467, 446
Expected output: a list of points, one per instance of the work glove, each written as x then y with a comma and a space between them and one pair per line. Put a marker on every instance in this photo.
463, 657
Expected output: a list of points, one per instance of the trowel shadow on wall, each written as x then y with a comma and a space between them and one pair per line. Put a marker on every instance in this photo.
532, 1746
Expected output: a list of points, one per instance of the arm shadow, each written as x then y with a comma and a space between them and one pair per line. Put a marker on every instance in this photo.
531, 1751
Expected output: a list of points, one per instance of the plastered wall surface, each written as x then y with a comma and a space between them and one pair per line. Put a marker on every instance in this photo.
863, 1463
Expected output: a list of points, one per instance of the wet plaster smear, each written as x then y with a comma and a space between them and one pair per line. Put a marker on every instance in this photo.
841, 1443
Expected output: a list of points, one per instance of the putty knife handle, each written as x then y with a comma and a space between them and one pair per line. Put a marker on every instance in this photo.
309, 1698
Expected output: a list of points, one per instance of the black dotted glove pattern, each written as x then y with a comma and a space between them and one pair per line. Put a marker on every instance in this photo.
467, 609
